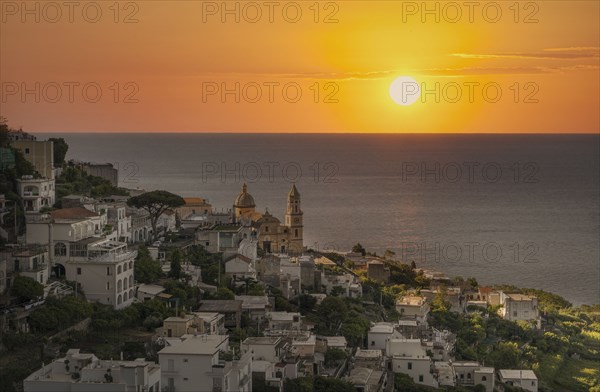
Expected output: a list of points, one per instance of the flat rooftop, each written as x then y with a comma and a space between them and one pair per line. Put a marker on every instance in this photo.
196, 345
517, 374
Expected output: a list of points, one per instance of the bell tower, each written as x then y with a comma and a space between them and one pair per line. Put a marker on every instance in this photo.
293, 220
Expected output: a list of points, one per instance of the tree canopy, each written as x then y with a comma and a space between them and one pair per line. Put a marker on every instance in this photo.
146, 270
26, 288
156, 202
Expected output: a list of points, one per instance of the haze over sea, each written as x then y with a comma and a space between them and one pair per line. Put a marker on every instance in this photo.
541, 212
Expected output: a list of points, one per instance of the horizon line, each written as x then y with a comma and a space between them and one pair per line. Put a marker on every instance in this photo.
315, 133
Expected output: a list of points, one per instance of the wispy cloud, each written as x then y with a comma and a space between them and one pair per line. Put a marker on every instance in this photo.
570, 53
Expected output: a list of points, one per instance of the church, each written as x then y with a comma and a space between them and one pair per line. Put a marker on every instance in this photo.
272, 235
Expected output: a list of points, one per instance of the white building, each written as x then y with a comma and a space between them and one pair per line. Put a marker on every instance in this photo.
380, 333
37, 193
147, 292
78, 372
193, 363
266, 353
107, 277
82, 252
167, 221
256, 306
288, 321
409, 357
472, 373
349, 284
413, 307
214, 323
119, 220
240, 267
30, 261
525, 379
519, 307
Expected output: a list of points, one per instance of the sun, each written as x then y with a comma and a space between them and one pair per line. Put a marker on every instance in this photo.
405, 90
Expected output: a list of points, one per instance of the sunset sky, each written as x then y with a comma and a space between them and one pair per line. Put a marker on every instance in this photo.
177, 52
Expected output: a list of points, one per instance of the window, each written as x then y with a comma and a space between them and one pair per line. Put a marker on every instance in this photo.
108, 285
372, 342
78, 270
420, 378
409, 365
468, 376
60, 249
26, 151
483, 378
107, 270
185, 360
515, 313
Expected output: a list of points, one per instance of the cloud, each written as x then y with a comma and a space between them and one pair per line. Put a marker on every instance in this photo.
570, 53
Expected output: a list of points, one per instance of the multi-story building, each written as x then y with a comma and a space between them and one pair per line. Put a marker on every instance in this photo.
141, 228
380, 334
196, 363
36, 193
413, 306
349, 284
81, 251
119, 220
214, 323
31, 261
520, 307
79, 372
40, 154
409, 357
472, 373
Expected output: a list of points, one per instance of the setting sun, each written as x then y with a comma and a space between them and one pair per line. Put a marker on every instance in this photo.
405, 90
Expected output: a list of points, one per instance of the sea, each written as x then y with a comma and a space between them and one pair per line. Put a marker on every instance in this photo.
506, 209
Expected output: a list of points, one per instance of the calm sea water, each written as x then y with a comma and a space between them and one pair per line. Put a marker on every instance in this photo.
517, 209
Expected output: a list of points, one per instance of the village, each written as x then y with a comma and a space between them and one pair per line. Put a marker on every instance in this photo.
230, 301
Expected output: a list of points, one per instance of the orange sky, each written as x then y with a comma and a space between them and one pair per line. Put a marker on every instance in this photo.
176, 57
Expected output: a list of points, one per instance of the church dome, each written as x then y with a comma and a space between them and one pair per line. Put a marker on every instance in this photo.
244, 199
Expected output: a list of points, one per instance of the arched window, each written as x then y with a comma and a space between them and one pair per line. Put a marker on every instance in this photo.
125, 283
118, 270
60, 249
119, 285
119, 300
124, 267
483, 378
130, 293
125, 296
130, 280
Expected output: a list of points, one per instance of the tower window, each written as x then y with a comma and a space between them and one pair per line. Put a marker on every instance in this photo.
296, 232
